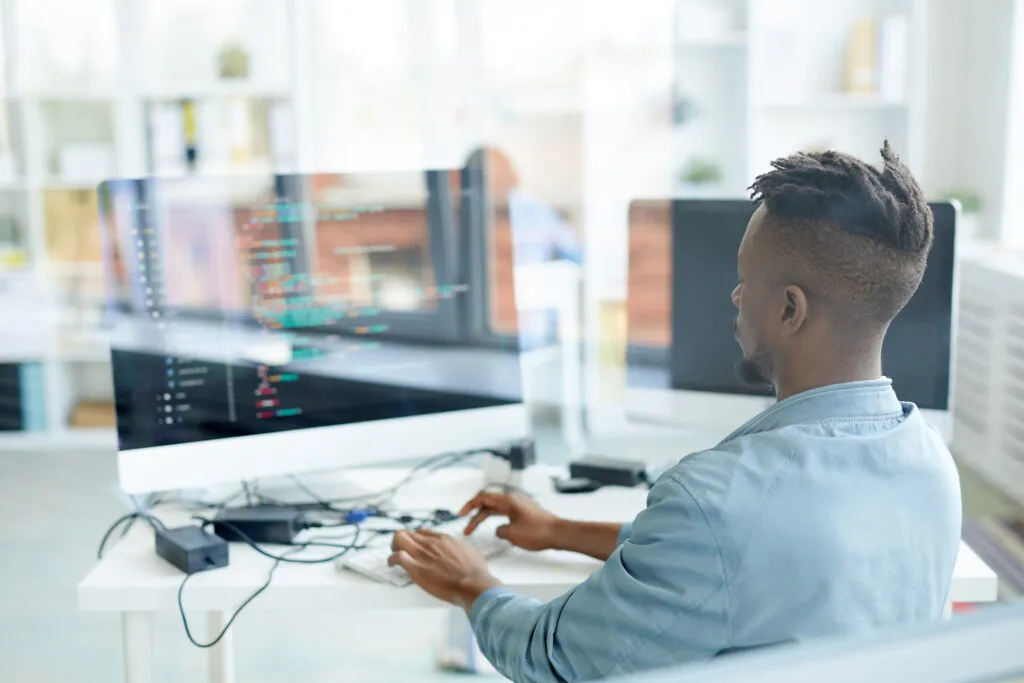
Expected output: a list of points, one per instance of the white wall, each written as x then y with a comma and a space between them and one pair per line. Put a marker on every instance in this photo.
969, 55
1012, 223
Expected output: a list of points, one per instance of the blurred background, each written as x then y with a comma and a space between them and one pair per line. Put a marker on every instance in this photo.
595, 111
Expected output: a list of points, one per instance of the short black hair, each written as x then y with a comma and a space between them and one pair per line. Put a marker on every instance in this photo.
859, 236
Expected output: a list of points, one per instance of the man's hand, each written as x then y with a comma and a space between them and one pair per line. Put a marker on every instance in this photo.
442, 565
529, 527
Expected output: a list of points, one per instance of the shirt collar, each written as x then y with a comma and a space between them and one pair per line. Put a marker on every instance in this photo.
865, 400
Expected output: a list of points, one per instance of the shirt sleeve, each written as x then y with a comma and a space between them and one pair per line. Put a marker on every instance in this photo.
661, 598
624, 533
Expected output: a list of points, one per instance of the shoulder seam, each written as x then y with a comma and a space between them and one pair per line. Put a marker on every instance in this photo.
726, 579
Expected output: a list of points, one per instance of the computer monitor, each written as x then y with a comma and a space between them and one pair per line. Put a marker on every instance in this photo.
287, 324
983, 647
695, 383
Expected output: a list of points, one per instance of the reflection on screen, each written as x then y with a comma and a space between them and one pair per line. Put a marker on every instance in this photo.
243, 308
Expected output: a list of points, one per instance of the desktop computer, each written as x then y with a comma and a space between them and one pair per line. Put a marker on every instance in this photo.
694, 384
264, 326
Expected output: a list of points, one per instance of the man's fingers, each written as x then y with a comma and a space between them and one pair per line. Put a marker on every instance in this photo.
497, 502
403, 540
478, 518
474, 503
403, 560
502, 531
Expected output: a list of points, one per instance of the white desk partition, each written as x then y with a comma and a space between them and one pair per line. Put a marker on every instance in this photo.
981, 648
555, 286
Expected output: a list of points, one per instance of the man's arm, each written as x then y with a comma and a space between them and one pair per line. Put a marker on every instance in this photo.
533, 528
596, 539
661, 598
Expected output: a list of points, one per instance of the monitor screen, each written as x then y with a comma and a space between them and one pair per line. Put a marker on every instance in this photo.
706, 236
245, 306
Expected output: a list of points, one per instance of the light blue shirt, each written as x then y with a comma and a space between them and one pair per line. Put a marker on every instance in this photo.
834, 511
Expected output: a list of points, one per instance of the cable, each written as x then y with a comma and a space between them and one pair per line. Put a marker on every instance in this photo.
128, 520
278, 559
312, 494
427, 466
223, 632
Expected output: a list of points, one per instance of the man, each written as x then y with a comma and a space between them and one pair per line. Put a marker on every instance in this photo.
837, 510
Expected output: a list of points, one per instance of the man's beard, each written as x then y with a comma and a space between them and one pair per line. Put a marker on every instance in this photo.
753, 372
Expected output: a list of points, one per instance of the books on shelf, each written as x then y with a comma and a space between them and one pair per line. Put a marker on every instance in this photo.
877, 57
72, 225
860, 75
22, 398
92, 414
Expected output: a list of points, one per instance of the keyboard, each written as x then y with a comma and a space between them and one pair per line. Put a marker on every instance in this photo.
372, 562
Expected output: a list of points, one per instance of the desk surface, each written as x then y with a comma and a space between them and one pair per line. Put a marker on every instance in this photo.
131, 577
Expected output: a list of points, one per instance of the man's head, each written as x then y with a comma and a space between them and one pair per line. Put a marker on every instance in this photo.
834, 251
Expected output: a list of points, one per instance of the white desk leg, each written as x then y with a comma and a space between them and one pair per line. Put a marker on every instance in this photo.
137, 630
220, 659
459, 650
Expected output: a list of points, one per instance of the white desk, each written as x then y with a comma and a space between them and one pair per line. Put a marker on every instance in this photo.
131, 579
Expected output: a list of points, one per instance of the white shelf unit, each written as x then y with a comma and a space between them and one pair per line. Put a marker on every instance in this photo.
108, 106
749, 81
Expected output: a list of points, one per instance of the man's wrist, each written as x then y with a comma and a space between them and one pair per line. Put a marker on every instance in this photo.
469, 590
559, 533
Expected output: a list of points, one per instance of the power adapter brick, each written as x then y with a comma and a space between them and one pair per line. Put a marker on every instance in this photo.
191, 549
260, 524
609, 471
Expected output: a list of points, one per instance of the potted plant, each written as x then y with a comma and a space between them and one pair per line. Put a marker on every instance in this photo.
700, 175
970, 210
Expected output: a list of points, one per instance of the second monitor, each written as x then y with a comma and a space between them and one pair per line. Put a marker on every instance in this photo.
695, 384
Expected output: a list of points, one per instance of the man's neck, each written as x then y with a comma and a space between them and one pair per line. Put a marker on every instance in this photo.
827, 371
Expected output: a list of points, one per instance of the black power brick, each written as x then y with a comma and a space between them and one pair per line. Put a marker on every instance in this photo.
260, 524
521, 454
609, 471
191, 549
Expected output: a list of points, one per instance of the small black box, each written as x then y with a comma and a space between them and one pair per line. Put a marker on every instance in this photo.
609, 471
260, 524
191, 549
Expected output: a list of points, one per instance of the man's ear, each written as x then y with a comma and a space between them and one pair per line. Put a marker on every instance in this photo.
794, 313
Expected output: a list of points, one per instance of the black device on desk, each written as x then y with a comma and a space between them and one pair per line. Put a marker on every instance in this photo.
594, 471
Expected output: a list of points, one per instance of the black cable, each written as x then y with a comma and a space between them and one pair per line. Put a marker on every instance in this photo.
128, 520
427, 466
223, 632
319, 500
278, 559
